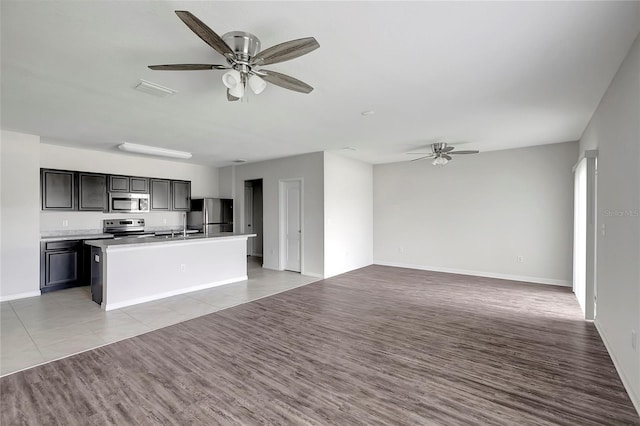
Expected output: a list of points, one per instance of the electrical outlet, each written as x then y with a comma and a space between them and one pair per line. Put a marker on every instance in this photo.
634, 340
183, 267
164, 220
65, 223
520, 259
401, 250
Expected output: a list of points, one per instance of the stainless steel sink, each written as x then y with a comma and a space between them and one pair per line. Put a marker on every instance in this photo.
177, 236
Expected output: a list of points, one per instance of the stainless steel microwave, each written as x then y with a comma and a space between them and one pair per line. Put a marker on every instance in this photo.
120, 202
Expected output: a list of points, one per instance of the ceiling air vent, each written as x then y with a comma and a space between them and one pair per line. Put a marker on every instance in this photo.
154, 89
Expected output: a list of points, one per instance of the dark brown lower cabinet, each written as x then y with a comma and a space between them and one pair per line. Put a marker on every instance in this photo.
60, 265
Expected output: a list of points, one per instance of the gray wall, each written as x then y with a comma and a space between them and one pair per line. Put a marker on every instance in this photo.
614, 131
309, 167
478, 213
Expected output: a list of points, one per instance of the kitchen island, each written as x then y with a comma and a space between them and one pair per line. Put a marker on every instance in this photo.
126, 272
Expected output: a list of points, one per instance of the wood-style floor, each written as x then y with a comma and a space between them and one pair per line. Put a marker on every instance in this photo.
379, 345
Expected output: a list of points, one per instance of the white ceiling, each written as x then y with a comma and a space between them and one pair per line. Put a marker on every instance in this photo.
495, 75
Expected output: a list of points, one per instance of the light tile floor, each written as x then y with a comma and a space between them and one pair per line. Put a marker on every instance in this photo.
40, 329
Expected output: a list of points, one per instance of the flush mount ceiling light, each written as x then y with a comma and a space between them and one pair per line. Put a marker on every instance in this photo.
154, 89
152, 150
244, 57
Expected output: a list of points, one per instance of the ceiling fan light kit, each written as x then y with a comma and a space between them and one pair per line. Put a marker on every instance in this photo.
233, 81
257, 84
244, 59
440, 161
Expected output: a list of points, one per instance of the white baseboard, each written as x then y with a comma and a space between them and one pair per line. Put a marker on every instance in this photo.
308, 274
118, 305
538, 280
313, 274
19, 296
635, 399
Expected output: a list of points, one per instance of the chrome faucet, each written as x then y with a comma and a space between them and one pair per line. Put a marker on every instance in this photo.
184, 225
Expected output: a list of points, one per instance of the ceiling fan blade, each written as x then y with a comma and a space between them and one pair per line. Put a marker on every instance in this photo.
230, 97
285, 51
465, 152
448, 149
422, 158
448, 157
285, 81
206, 34
187, 67
419, 153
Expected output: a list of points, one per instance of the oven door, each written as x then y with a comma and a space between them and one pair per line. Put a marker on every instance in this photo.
128, 203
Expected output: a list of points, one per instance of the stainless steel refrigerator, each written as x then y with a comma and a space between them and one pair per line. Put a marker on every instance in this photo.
211, 215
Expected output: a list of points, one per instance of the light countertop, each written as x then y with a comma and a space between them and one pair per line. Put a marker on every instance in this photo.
140, 242
88, 234
83, 234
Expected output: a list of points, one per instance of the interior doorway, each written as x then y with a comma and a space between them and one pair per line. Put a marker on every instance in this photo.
253, 216
584, 234
291, 225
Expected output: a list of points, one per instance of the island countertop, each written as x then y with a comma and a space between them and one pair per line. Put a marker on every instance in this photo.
179, 238
129, 271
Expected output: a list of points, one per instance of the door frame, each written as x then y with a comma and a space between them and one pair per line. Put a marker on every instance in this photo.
282, 230
590, 158
248, 211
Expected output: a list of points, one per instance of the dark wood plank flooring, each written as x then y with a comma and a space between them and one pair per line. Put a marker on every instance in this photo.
378, 345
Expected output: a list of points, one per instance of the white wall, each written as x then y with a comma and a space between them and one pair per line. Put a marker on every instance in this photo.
478, 213
204, 182
20, 233
614, 131
310, 168
348, 214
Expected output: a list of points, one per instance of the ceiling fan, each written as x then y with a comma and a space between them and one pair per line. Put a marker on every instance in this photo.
441, 153
243, 55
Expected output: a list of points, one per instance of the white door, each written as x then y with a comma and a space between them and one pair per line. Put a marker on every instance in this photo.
292, 225
248, 217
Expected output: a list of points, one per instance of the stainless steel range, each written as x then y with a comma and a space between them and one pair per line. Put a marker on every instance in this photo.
125, 228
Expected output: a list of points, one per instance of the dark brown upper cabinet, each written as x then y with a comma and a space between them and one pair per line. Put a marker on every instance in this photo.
92, 192
58, 190
181, 195
138, 184
66, 190
128, 184
160, 194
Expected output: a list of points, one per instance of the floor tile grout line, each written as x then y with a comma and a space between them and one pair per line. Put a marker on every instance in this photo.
26, 330
185, 318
